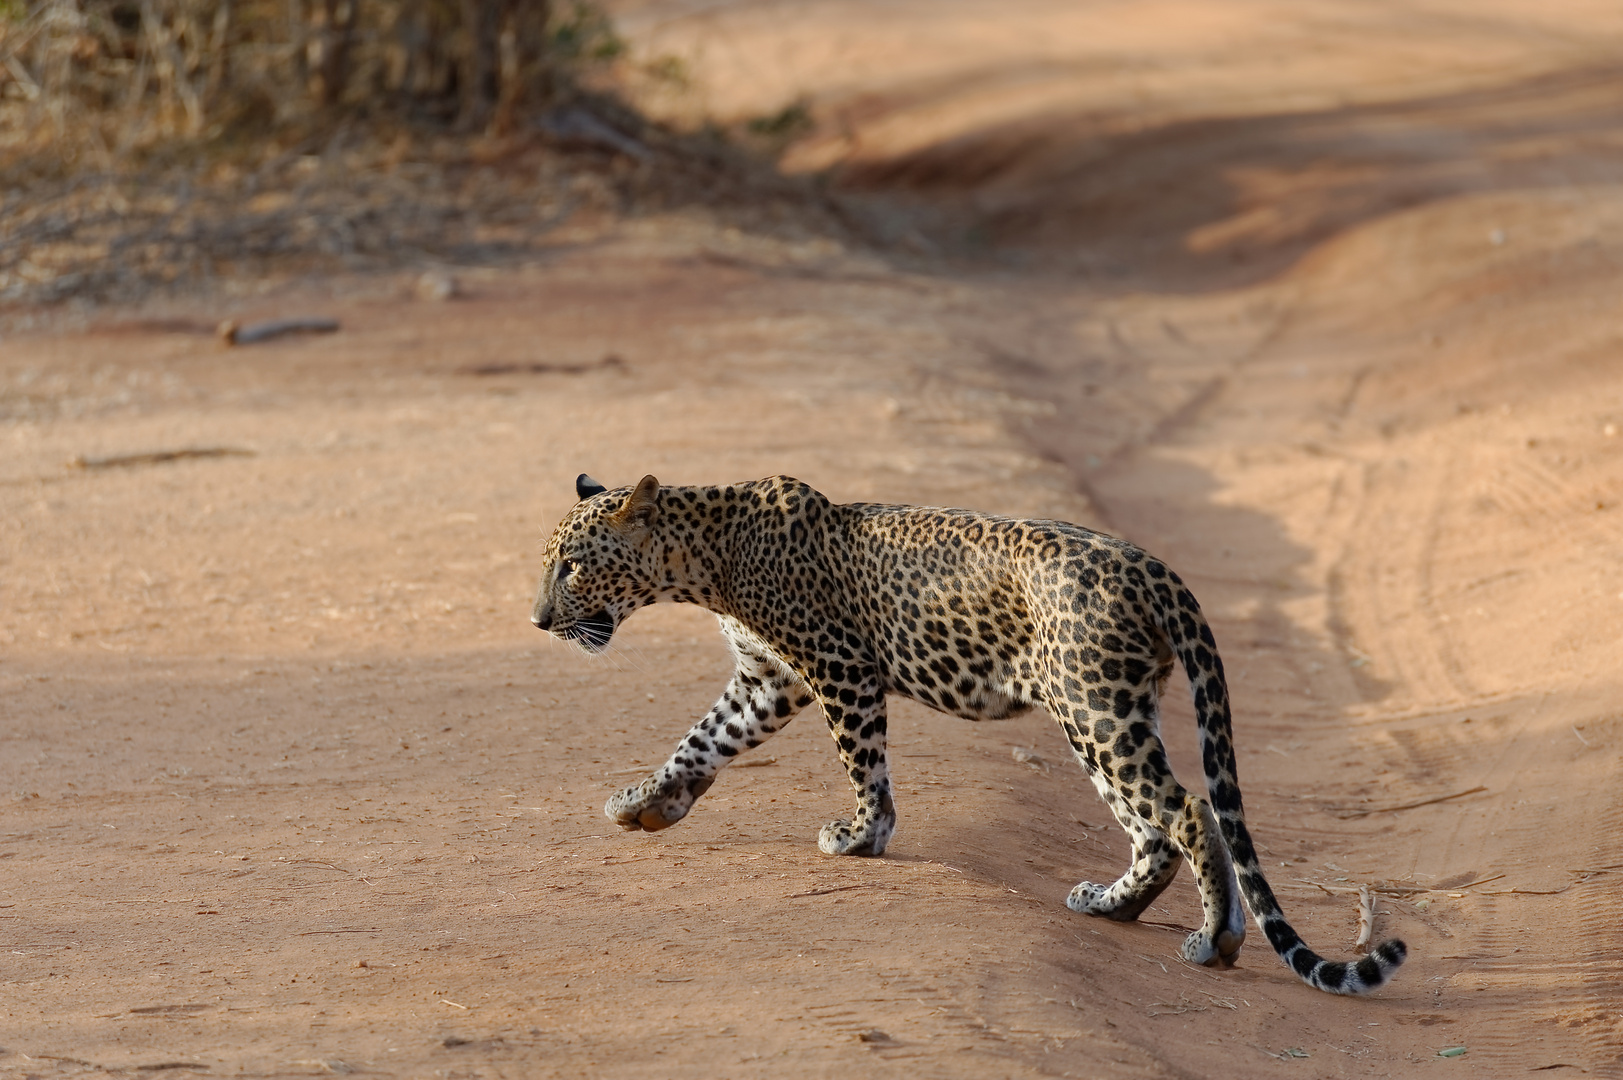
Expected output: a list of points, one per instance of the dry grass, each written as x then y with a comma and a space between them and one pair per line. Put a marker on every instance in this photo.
354, 199
105, 78
176, 143
114, 234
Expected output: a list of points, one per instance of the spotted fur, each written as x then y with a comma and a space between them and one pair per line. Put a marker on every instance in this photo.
974, 615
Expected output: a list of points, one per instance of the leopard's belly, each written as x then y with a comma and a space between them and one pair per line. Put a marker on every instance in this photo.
963, 694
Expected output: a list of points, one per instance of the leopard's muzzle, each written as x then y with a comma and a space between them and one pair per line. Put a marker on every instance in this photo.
591, 633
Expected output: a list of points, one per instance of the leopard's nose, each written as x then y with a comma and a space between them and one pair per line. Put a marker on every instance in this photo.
542, 622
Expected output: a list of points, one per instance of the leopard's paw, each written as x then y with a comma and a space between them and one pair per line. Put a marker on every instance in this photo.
1089, 899
656, 803
867, 838
1118, 902
1219, 951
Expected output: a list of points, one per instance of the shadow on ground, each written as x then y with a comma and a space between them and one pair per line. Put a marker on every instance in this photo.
1220, 202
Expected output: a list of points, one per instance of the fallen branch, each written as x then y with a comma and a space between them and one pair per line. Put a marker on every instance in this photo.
160, 1010
609, 362
165, 1066
233, 334
157, 457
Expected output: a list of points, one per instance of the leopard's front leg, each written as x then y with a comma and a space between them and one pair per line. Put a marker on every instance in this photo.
761, 698
855, 710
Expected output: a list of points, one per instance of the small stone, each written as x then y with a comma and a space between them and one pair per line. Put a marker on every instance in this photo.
1030, 757
437, 286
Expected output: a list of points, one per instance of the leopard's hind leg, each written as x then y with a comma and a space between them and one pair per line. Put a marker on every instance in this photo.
1115, 736
1156, 860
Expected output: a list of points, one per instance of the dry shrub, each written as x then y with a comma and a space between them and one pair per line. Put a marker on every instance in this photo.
106, 78
146, 143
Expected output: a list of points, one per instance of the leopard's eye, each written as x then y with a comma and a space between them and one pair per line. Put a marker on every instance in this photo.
567, 567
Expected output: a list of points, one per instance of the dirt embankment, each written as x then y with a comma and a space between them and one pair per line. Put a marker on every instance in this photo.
294, 788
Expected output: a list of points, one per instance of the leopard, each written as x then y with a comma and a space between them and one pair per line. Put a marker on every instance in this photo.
971, 614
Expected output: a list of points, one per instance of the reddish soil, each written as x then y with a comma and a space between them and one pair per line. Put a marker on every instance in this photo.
295, 789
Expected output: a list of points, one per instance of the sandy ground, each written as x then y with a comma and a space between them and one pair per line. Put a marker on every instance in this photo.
1318, 302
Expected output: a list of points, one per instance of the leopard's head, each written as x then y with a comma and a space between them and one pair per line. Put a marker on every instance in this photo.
599, 564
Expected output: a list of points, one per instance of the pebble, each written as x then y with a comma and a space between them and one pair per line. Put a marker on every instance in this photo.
437, 286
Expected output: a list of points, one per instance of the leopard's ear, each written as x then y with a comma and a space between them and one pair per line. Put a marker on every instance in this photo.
586, 487
642, 507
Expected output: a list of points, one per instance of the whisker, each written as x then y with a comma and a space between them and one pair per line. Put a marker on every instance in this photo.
629, 656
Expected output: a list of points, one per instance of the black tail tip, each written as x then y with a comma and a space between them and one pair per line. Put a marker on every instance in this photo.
1392, 953
1374, 969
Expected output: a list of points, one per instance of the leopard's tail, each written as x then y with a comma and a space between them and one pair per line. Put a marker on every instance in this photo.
1192, 641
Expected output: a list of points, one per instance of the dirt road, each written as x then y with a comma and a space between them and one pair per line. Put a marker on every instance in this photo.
1318, 305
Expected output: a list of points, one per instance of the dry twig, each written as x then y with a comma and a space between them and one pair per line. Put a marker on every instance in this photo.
837, 888
1412, 805
1366, 916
